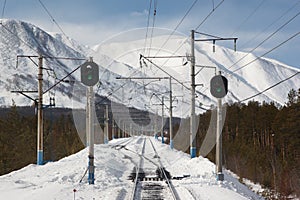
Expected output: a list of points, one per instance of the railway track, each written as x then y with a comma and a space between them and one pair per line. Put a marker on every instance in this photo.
150, 179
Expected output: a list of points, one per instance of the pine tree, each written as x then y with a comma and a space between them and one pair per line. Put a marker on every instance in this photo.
292, 97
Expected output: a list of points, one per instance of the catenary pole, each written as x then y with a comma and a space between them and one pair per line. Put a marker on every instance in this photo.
40, 113
119, 128
193, 88
106, 125
162, 120
220, 175
171, 115
87, 119
91, 134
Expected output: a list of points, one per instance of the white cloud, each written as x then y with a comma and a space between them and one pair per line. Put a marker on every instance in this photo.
139, 14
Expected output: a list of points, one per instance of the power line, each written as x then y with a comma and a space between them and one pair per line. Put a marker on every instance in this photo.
265, 39
209, 14
52, 18
202, 22
276, 20
153, 23
148, 20
270, 87
3, 9
189, 10
274, 47
69, 74
249, 16
296, 34
16, 35
177, 26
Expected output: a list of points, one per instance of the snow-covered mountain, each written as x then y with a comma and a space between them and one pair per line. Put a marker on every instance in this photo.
120, 57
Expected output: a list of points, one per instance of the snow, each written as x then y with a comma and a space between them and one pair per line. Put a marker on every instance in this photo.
57, 180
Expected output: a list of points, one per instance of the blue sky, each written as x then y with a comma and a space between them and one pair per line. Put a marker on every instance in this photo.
93, 21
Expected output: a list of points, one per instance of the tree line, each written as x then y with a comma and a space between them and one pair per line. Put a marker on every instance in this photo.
261, 142
18, 137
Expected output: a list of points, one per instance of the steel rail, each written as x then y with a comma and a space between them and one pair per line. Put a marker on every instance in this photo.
168, 181
136, 181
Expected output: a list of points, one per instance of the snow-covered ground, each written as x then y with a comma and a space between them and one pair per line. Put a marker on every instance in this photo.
57, 180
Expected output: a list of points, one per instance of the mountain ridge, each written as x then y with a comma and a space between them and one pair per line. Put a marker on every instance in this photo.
19, 38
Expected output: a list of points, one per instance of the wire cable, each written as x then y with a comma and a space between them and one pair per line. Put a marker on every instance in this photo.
16, 35
52, 18
55, 22
276, 84
148, 21
3, 9
271, 24
202, 22
248, 17
153, 24
266, 39
180, 46
209, 14
282, 43
177, 26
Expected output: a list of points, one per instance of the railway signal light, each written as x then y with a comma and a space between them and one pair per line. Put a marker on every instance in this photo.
89, 73
219, 86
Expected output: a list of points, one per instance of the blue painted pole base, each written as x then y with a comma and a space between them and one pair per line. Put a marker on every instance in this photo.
91, 178
220, 177
105, 141
171, 144
162, 140
193, 152
91, 168
40, 160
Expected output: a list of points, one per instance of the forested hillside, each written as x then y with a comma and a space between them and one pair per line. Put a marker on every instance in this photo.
261, 142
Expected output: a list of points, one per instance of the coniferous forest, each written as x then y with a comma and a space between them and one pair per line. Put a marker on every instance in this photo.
261, 141
18, 137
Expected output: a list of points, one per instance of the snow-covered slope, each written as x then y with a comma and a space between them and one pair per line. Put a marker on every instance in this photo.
57, 180
243, 83
23, 39
121, 57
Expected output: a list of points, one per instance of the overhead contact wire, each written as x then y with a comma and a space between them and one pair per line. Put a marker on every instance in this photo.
276, 84
282, 43
282, 26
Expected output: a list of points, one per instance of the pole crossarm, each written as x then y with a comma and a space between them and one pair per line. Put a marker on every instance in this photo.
51, 57
23, 93
205, 66
151, 78
141, 56
214, 39
149, 57
186, 87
